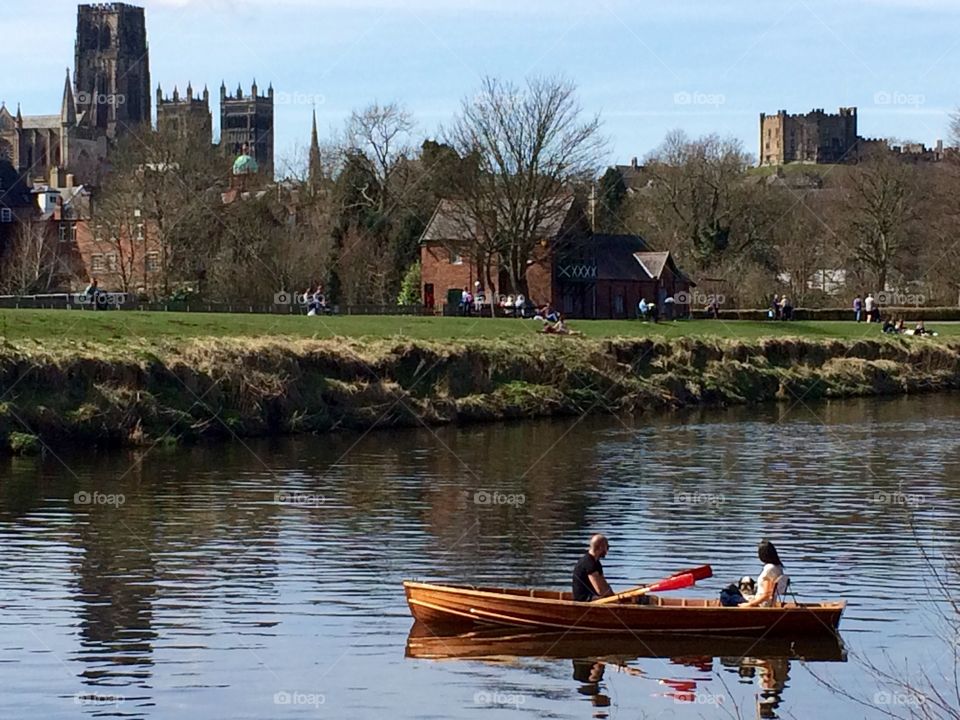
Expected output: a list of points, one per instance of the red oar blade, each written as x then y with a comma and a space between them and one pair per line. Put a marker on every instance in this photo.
699, 573
673, 583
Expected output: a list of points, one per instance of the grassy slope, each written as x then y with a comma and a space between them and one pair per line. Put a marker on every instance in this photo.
44, 327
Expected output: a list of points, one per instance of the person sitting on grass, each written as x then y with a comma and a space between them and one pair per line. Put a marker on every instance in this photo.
559, 327
889, 327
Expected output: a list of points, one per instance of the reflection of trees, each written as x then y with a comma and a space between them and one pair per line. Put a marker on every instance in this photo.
178, 529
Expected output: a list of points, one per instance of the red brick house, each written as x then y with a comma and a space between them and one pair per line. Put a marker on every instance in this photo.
580, 273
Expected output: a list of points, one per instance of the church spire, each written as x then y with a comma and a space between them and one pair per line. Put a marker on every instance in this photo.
68, 109
315, 175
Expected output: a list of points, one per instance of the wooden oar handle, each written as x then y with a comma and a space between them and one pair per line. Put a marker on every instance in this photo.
625, 595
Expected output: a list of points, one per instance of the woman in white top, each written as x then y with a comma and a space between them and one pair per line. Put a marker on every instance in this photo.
772, 583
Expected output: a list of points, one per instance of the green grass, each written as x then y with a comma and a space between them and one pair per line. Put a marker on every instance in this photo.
47, 327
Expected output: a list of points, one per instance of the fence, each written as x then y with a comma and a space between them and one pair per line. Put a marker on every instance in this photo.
122, 301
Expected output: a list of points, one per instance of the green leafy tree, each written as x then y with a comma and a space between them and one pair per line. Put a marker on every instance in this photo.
410, 287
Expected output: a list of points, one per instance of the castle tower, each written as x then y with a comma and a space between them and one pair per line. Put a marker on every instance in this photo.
185, 117
112, 73
247, 122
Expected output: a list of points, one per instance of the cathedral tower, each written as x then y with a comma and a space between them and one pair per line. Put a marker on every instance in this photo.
112, 74
246, 125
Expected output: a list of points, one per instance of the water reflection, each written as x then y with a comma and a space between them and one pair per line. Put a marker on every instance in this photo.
594, 654
233, 573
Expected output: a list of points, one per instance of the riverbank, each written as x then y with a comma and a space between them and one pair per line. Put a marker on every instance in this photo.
175, 391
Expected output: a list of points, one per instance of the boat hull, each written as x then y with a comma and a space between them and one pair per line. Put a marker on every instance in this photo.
452, 605
427, 642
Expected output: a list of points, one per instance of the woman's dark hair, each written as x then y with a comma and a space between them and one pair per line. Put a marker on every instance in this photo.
768, 553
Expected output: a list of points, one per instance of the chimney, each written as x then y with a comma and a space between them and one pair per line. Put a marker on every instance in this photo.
634, 163
55, 177
69, 180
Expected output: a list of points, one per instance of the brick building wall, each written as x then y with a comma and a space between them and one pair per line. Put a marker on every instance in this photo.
126, 265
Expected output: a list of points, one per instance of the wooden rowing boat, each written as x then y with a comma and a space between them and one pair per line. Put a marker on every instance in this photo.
429, 642
556, 610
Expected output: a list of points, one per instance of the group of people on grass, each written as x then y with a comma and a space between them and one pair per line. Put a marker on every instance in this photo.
589, 584
473, 302
780, 308
315, 300
868, 310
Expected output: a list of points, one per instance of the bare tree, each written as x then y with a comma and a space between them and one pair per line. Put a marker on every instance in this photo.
116, 229
31, 263
883, 202
697, 199
381, 135
531, 145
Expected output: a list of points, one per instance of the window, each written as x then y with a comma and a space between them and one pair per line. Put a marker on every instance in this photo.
151, 262
67, 232
111, 262
618, 305
6, 215
96, 263
456, 258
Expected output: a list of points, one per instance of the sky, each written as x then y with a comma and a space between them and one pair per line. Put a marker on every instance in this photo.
645, 66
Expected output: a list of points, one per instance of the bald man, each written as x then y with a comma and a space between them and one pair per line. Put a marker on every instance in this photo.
588, 580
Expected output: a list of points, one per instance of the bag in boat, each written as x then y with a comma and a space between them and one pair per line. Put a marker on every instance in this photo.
731, 596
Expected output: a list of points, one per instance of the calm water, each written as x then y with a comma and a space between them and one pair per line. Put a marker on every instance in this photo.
264, 580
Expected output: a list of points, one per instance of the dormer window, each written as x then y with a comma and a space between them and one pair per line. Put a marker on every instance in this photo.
6, 215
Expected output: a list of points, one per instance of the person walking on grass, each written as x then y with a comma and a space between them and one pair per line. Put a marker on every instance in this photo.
858, 308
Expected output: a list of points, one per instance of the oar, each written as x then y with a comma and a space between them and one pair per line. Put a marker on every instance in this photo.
681, 580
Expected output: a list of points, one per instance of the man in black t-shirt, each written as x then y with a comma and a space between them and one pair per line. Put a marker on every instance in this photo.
588, 580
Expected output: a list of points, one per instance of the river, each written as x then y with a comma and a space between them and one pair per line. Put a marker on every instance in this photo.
263, 579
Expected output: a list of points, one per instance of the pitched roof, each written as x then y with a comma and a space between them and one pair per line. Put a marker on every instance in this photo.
653, 262
615, 257
451, 221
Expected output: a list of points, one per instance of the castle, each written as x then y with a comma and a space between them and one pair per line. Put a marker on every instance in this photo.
817, 137
824, 138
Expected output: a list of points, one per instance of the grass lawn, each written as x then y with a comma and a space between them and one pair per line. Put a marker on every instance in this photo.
49, 326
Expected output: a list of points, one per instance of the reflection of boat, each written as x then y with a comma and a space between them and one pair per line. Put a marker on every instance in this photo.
553, 609
429, 642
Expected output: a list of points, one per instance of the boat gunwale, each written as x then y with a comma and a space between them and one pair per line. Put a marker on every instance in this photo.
472, 591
